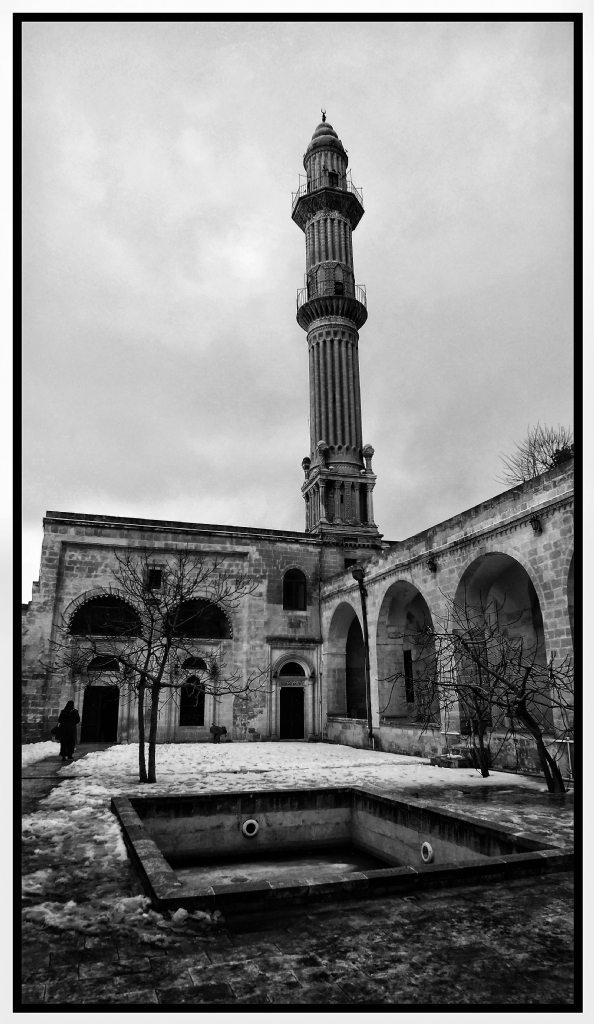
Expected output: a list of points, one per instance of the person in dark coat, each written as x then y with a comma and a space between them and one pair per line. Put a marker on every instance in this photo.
68, 720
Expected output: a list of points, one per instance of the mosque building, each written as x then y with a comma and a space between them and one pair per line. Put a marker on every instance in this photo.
325, 638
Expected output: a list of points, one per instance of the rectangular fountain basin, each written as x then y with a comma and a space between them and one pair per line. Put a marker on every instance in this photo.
313, 845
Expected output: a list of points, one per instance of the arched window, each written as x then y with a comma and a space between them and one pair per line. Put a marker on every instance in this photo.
103, 663
197, 664
200, 620
191, 703
294, 591
292, 668
106, 615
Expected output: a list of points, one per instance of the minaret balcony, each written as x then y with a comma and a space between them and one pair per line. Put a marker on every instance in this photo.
328, 304
328, 192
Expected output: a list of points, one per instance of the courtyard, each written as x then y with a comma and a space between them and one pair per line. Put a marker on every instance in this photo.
91, 937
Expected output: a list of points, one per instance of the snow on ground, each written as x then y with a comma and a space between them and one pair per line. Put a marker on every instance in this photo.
32, 752
202, 767
73, 843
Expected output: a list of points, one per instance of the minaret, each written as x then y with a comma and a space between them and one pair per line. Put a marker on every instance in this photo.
338, 477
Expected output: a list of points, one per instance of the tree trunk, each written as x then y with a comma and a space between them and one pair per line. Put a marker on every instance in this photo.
550, 768
141, 754
480, 754
152, 777
483, 755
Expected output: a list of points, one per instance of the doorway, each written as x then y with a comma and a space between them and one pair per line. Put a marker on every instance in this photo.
100, 715
292, 721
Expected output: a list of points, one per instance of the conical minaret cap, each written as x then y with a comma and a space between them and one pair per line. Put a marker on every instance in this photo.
324, 137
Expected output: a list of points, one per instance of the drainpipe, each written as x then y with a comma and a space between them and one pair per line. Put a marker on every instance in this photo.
358, 574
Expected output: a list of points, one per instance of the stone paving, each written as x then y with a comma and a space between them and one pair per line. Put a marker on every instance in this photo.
510, 943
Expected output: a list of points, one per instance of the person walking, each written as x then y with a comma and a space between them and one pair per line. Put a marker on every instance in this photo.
68, 720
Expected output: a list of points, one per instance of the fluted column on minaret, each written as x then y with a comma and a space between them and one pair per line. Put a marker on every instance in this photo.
332, 308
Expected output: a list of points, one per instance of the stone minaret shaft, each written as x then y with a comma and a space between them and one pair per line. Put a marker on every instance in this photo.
338, 477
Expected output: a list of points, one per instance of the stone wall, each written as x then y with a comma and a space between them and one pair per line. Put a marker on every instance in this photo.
527, 529
78, 559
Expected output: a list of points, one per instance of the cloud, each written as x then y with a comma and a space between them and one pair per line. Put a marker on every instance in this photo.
163, 367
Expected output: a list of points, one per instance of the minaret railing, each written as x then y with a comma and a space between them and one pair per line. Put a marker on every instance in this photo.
326, 181
303, 297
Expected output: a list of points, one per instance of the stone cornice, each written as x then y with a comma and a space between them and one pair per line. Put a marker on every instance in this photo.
293, 641
334, 321
167, 526
327, 200
322, 307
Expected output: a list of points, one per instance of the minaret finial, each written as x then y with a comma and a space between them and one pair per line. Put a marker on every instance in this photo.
323, 115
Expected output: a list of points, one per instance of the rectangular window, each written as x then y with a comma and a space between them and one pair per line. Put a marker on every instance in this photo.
409, 686
333, 179
154, 579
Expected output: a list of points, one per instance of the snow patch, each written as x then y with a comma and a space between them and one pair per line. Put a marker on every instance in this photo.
31, 752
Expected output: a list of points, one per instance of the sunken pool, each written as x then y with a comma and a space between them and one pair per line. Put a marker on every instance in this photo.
242, 851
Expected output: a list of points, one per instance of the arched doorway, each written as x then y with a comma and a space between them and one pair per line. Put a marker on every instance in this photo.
292, 701
405, 659
344, 658
101, 707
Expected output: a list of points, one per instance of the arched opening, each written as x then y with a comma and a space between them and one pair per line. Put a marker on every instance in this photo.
344, 664
405, 657
104, 663
200, 620
294, 591
191, 703
356, 697
292, 668
497, 607
570, 597
291, 706
101, 707
197, 664
106, 615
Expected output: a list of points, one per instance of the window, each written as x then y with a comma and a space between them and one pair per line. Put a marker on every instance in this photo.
333, 179
409, 686
191, 703
105, 616
292, 668
339, 288
294, 591
198, 664
201, 620
154, 579
363, 503
103, 663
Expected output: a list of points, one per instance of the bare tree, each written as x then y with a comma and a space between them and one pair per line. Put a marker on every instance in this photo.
499, 683
542, 449
144, 633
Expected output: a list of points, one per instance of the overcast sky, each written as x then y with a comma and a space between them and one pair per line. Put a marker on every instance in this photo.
165, 375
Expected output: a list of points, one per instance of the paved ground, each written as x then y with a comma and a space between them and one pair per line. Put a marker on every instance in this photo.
89, 938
